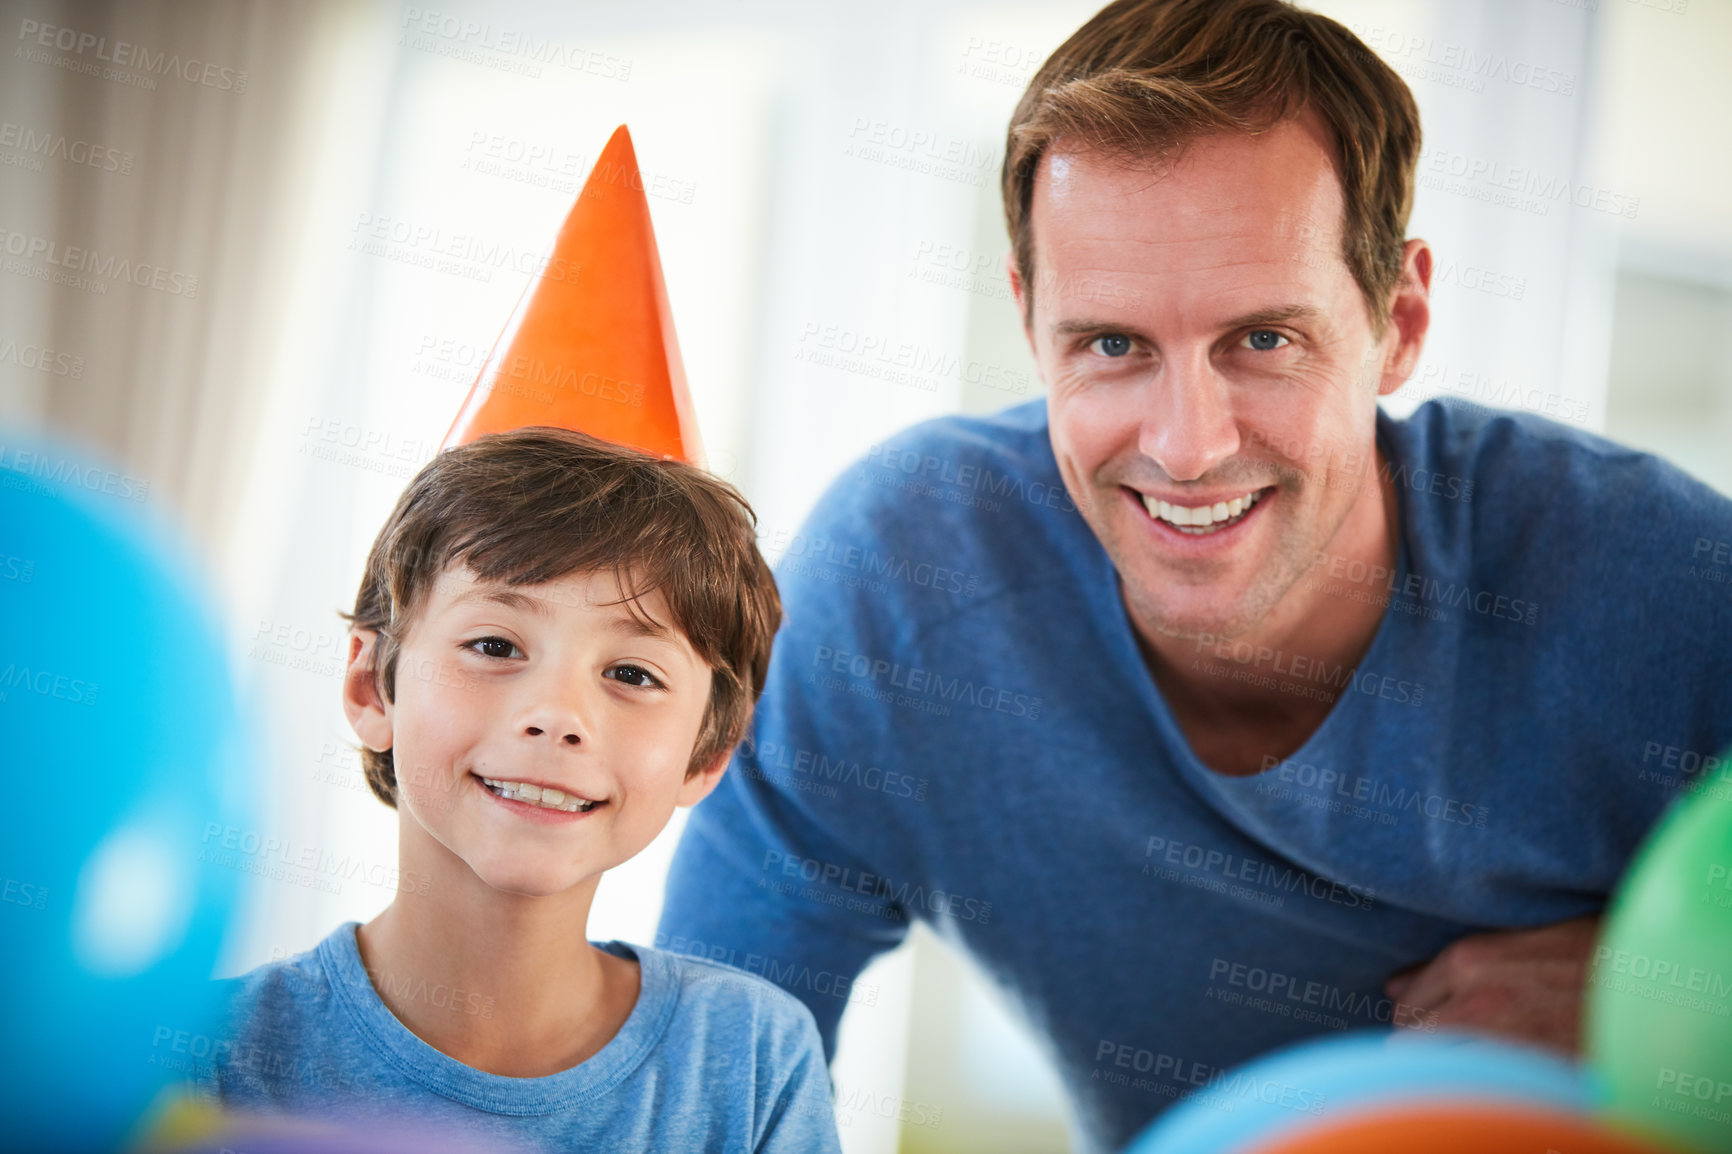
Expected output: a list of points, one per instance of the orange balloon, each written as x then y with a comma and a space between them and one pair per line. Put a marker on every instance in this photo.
591, 345
1457, 1128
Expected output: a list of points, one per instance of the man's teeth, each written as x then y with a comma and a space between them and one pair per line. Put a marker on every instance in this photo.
1201, 518
536, 795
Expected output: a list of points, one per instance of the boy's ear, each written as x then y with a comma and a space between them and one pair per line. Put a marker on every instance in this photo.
369, 715
697, 786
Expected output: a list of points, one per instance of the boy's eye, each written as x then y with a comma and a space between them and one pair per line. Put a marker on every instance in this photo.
1264, 340
493, 647
634, 675
1111, 345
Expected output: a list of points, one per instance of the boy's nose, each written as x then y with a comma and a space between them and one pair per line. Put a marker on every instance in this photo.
570, 738
560, 706
558, 714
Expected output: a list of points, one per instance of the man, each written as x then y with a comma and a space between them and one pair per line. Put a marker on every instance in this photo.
1204, 705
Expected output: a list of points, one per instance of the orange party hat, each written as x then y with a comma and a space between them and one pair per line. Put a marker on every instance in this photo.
591, 345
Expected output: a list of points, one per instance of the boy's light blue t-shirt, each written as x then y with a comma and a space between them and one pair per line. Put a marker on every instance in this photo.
710, 1059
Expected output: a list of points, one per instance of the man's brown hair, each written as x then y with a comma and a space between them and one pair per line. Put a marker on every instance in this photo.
1143, 77
536, 504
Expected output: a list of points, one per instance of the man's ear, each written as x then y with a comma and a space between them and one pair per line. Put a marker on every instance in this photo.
368, 713
1409, 315
697, 786
1017, 293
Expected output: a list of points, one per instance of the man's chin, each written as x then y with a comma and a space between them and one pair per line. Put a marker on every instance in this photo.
1180, 605
1209, 614
1192, 627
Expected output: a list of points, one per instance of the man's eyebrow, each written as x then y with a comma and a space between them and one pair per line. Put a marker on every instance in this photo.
1275, 316
509, 598
1269, 316
1082, 325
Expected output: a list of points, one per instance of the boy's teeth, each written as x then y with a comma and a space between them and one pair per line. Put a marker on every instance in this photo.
536, 795
1201, 517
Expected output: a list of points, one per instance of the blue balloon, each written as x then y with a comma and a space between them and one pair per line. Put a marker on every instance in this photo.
125, 748
1328, 1077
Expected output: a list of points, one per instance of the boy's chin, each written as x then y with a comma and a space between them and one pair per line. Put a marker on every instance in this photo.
521, 881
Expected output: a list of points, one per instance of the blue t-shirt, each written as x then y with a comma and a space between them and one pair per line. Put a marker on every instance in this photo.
710, 1059
958, 727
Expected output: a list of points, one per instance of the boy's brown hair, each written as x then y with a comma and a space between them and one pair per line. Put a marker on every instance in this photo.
536, 504
1143, 77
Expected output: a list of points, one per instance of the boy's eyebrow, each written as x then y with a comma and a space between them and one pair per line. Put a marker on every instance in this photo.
509, 598
626, 622
631, 625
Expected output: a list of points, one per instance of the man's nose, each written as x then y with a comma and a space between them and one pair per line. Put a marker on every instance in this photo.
1188, 424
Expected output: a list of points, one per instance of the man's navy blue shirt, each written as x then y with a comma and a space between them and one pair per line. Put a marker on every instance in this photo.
959, 727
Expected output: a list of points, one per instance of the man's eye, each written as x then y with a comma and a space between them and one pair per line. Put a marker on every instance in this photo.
1111, 345
493, 647
1263, 340
634, 675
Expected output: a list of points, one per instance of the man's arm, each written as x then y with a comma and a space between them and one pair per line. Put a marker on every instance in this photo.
740, 892
1520, 984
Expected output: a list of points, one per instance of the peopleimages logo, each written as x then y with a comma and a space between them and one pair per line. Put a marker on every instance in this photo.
1218, 1086
106, 267
125, 54
1285, 994
46, 683
799, 553
22, 467
57, 146
904, 895
1201, 861
921, 682
1323, 787
512, 49
41, 358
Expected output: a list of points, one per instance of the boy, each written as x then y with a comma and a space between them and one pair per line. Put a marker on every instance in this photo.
556, 641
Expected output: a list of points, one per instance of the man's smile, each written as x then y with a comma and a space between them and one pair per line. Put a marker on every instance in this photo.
1199, 517
1204, 516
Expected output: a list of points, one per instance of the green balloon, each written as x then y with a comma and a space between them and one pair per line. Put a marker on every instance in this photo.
1659, 999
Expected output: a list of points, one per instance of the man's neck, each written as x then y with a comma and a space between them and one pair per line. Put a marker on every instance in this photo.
502, 983
1241, 716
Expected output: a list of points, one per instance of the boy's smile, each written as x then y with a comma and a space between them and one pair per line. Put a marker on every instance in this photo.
524, 713
543, 797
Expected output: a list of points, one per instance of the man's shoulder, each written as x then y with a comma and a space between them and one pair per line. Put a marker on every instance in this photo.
966, 502
1549, 511
1478, 453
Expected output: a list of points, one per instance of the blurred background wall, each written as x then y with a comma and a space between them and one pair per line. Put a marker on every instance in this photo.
254, 253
